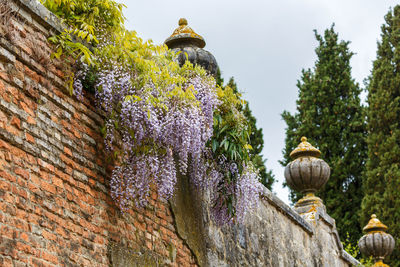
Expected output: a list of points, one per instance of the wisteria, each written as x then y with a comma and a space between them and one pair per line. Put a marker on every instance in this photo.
150, 135
161, 124
80, 76
248, 189
237, 195
161, 119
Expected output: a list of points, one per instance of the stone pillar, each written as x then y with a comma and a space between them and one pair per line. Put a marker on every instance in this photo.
376, 242
307, 173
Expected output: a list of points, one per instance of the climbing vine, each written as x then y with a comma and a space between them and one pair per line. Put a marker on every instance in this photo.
161, 118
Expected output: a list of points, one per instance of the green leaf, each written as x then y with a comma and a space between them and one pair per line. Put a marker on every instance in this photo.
214, 145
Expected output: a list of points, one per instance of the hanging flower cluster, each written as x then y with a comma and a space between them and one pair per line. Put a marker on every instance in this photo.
155, 125
161, 119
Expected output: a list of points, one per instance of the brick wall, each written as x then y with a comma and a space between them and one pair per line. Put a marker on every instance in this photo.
55, 206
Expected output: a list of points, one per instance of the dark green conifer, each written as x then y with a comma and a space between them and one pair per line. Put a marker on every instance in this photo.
382, 179
330, 115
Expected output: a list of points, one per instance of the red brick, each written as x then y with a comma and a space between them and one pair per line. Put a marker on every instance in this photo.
24, 236
57, 181
13, 130
46, 165
60, 231
29, 138
49, 257
31, 120
7, 97
23, 247
12, 90
89, 172
21, 224
8, 232
8, 197
49, 236
33, 75
22, 173
67, 151
21, 214
149, 245
4, 185
16, 122
76, 134
3, 118
2, 88
4, 145
48, 187
45, 209
54, 119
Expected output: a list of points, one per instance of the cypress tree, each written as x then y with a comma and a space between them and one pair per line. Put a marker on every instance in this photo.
382, 179
330, 115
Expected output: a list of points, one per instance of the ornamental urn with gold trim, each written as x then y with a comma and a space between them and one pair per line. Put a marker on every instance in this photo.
190, 46
376, 242
307, 173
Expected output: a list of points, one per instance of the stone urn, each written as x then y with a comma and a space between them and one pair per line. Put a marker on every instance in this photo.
190, 46
307, 173
376, 242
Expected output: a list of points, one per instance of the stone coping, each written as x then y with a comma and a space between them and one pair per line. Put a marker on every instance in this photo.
36, 11
309, 228
287, 210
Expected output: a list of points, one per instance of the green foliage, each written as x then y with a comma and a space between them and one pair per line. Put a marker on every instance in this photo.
382, 179
88, 22
231, 130
96, 36
330, 115
231, 137
99, 24
354, 251
153, 63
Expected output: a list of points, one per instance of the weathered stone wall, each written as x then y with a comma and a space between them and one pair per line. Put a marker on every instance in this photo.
275, 235
55, 207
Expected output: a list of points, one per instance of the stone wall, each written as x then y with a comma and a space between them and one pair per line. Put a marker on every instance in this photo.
275, 235
55, 207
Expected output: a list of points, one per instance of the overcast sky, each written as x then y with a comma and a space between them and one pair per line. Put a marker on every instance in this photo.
264, 44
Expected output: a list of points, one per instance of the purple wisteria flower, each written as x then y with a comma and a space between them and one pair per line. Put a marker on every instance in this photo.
158, 132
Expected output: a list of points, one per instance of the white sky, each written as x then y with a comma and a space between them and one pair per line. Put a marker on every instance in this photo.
264, 44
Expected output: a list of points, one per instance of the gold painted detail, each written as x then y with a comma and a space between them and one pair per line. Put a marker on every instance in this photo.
305, 149
182, 21
309, 200
380, 263
375, 225
185, 29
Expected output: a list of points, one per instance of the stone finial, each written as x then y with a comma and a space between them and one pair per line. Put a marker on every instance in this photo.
183, 35
182, 21
374, 224
304, 149
376, 242
307, 174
